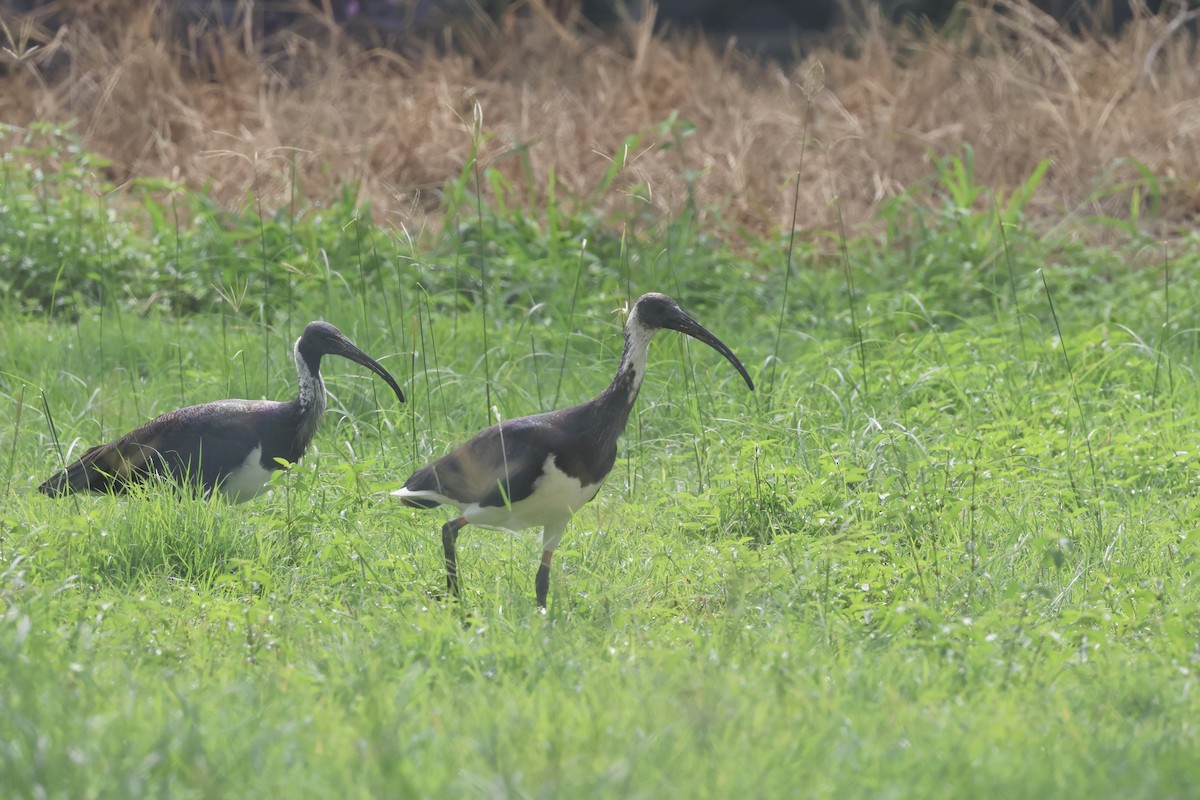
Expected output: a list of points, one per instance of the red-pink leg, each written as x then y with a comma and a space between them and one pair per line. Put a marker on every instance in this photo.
542, 582
449, 536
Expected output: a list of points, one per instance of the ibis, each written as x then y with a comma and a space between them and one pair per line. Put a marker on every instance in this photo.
231, 446
539, 470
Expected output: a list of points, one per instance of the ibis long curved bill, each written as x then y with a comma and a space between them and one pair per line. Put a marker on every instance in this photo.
685, 324
339, 345
539, 470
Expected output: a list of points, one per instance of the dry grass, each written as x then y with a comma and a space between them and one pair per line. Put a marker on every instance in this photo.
558, 100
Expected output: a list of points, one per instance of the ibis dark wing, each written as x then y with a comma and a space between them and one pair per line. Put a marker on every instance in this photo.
496, 467
196, 445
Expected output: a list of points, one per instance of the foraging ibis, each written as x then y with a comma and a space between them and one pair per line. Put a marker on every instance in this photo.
541, 469
228, 445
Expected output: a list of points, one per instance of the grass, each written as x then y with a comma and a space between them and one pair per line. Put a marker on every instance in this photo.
946, 550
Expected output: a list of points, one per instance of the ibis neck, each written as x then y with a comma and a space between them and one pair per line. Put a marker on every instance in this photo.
617, 400
311, 399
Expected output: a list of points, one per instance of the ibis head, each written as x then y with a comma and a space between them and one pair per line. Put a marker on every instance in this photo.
654, 311
322, 339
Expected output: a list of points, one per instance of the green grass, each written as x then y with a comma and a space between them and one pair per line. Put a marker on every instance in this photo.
944, 551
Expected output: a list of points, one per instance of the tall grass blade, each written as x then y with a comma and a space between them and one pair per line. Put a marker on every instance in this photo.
423, 299
814, 82
62, 458
484, 288
850, 292
570, 327
535, 362
1083, 418
412, 370
787, 277
12, 455
265, 275
1160, 353
1012, 281
362, 275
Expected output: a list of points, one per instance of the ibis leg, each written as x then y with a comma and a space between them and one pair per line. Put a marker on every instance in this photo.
541, 583
551, 536
449, 536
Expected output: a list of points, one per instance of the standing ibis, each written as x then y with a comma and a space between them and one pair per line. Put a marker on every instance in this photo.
229, 445
541, 469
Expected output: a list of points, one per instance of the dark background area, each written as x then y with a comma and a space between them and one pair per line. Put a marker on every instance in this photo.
776, 28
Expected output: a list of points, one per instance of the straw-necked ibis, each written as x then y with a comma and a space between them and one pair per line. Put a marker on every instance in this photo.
229, 445
539, 470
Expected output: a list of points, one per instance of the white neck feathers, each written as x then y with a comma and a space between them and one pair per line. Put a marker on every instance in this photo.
633, 359
312, 387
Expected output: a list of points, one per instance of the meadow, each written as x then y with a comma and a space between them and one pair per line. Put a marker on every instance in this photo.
946, 549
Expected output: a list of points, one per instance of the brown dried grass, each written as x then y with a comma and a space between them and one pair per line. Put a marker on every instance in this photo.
1008, 80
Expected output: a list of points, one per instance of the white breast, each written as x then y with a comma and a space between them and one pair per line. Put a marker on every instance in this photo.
556, 496
248, 480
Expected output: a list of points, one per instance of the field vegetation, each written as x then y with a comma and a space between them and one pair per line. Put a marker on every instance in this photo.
946, 549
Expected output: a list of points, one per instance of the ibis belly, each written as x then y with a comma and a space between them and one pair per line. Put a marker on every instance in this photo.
247, 480
555, 497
